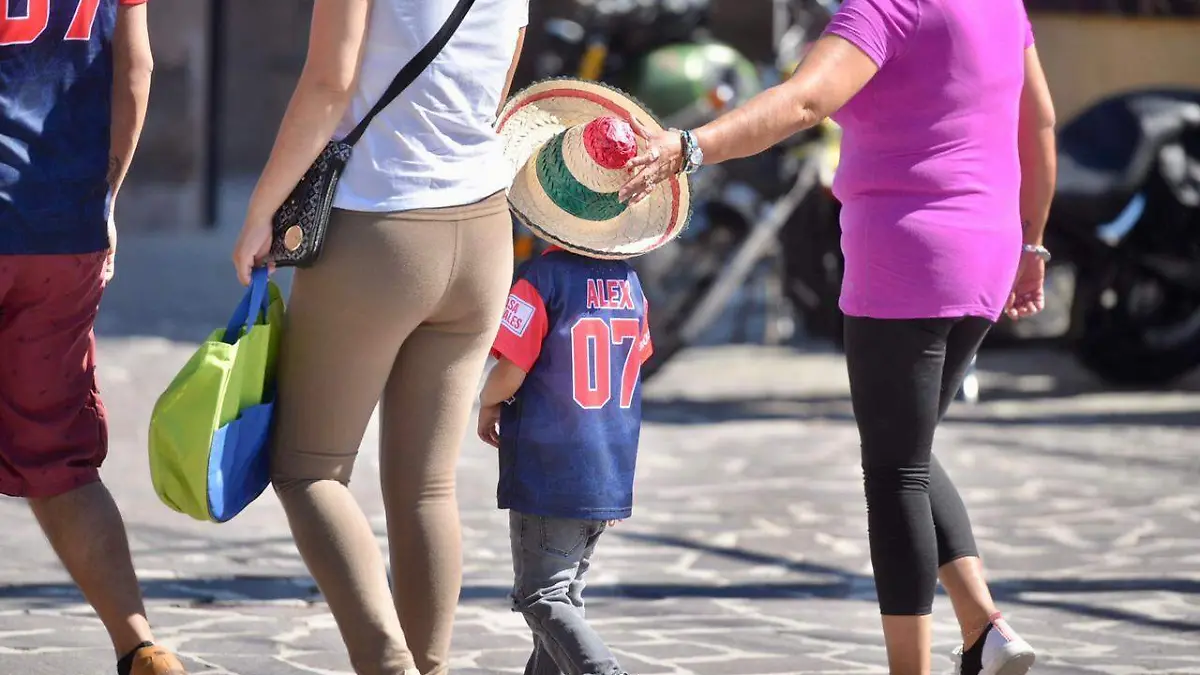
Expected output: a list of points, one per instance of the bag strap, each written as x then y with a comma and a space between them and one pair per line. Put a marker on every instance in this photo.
413, 68
255, 302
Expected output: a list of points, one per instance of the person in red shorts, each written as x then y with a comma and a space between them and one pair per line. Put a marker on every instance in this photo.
74, 82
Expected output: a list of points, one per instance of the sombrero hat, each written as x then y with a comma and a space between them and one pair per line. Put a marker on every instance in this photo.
568, 141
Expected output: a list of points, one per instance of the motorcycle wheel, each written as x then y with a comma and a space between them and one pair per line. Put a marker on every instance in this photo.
1135, 330
676, 278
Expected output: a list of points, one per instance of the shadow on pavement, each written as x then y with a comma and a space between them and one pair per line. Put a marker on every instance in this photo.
850, 585
838, 584
1038, 593
195, 591
1048, 370
683, 411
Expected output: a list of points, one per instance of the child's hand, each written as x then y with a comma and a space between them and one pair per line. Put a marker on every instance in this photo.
489, 425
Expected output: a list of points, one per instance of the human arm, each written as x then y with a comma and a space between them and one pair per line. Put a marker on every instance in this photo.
512, 69
132, 65
518, 344
829, 76
1038, 154
322, 94
645, 344
502, 383
1037, 148
862, 37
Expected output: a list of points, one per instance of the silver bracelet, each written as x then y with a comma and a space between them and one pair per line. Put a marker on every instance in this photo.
1040, 251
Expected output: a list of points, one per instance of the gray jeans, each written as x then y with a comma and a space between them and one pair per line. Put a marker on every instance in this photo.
551, 557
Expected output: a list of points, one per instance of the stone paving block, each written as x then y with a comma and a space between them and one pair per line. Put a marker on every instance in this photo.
746, 554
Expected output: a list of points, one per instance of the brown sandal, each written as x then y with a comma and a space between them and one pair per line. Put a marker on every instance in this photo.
155, 660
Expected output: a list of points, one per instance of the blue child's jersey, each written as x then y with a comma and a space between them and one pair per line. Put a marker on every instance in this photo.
55, 113
569, 439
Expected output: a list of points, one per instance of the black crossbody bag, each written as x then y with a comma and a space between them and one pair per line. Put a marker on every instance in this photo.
299, 226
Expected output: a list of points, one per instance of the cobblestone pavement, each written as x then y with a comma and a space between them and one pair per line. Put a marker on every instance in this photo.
746, 553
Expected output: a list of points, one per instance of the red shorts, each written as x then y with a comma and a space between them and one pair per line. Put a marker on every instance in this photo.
53, 431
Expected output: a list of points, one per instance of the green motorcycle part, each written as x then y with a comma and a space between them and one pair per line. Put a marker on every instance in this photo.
688, 84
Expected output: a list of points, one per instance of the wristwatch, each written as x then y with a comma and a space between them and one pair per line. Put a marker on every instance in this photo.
693, 156
1040, 251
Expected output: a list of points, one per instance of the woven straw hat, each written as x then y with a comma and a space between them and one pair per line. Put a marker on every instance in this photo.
568, 141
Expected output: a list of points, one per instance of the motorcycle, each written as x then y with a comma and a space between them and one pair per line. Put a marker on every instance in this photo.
1126, 218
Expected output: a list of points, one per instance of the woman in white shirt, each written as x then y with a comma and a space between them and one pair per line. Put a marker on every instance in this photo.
402, 305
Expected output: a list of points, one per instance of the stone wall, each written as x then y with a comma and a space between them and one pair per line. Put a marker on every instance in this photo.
259, 53
262, 53
165, 188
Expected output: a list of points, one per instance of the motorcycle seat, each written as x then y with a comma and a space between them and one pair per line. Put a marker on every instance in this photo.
1106, 154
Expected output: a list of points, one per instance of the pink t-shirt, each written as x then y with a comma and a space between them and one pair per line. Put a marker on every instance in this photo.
929, 178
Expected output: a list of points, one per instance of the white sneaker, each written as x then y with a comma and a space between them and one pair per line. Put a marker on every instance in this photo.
999, 652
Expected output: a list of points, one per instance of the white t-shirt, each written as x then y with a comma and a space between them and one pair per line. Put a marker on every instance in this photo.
435, 145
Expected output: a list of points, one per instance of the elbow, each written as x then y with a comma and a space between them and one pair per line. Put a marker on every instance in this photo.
1036, 133
141, 70
808, 106
513, 380
808, 115
1046, 119
1039, 118
134, 69
337, 87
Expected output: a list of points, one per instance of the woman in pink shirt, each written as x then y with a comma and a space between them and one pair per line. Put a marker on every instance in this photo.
946, 177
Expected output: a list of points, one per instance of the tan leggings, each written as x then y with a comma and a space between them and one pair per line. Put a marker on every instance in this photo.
401, 307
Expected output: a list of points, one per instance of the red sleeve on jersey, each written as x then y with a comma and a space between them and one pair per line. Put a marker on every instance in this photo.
523, 326
645, 345
132, 2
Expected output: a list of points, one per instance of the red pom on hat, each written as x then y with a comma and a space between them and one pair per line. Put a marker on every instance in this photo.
610, 142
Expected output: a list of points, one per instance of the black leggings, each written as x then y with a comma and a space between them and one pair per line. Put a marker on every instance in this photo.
903, 376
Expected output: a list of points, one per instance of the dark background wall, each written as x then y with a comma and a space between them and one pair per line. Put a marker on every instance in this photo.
259, 71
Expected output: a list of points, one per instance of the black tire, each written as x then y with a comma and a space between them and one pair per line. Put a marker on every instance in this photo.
1134, 331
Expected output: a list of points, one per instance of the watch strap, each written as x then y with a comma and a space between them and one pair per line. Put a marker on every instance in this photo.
688, 147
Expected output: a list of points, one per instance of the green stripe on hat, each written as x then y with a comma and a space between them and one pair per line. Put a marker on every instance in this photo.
569, 194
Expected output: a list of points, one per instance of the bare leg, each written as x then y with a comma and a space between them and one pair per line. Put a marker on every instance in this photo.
85, 528
909, 640
973, 604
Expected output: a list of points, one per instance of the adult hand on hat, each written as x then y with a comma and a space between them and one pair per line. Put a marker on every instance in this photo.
661, 159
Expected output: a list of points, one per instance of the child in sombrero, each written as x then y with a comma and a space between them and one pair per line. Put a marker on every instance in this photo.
562, 403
